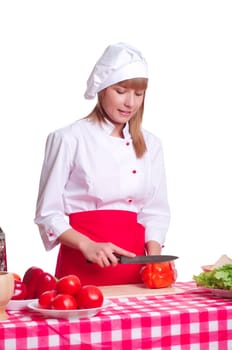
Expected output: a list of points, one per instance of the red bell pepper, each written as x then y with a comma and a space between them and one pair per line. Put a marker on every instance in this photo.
45, 282
158, 275
38, 281
30, 278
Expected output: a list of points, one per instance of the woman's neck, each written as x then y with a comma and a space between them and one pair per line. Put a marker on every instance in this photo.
117, 131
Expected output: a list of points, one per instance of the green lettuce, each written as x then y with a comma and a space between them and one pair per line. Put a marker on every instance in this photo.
218, 278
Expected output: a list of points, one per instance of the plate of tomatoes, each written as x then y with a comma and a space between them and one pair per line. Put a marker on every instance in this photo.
68, 314
70, 299
65, 297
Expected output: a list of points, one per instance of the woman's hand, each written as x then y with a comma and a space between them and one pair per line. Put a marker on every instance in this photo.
103, 254
95, 252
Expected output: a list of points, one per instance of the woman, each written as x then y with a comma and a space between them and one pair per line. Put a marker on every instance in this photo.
105, 174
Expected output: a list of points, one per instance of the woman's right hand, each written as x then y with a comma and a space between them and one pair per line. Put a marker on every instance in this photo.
101, 253
104, 254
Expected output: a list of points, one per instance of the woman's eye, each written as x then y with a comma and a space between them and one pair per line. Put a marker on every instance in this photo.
123, 91
139, 93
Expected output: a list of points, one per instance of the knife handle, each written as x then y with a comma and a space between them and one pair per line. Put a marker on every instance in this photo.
119, 257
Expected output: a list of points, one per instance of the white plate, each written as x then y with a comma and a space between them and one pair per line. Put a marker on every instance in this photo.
222, 293
79, 313
19, 304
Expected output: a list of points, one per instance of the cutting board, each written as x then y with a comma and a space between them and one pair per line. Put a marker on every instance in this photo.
135, 290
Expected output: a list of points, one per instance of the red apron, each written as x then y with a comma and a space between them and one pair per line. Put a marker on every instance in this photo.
117, 226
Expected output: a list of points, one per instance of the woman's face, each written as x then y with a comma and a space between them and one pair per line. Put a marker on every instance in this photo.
121, 103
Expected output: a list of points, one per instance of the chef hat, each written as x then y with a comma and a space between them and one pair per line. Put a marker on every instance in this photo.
119, 62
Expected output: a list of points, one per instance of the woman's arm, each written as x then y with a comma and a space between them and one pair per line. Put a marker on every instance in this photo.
101, 253
155, 214
56, 168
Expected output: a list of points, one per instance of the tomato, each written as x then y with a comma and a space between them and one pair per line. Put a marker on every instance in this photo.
20, 290
64, 302
45, 282
69, 284
158, 275
46, 299
89, 296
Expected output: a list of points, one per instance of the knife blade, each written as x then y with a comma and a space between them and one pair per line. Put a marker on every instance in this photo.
145, 259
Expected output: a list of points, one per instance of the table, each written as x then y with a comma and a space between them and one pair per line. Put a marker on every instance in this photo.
192, 320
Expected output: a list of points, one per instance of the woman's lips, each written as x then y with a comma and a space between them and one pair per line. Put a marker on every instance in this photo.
125, 113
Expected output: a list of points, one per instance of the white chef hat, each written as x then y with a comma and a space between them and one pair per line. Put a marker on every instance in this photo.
118, 62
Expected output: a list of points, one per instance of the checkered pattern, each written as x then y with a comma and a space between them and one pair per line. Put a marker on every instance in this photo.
192, 320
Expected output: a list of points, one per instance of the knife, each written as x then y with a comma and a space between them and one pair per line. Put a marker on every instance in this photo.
145, 259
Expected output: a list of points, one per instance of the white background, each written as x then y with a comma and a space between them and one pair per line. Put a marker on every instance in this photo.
48, 49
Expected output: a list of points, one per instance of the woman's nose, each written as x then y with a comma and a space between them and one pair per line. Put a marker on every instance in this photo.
130, 98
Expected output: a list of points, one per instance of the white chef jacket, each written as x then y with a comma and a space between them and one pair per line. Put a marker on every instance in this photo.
85, 168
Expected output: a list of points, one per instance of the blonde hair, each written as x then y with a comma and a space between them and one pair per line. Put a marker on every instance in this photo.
135, 123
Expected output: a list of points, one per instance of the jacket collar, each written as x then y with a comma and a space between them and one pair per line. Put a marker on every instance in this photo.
108, 127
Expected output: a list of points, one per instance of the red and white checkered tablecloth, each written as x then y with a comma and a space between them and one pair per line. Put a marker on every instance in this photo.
192, 320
